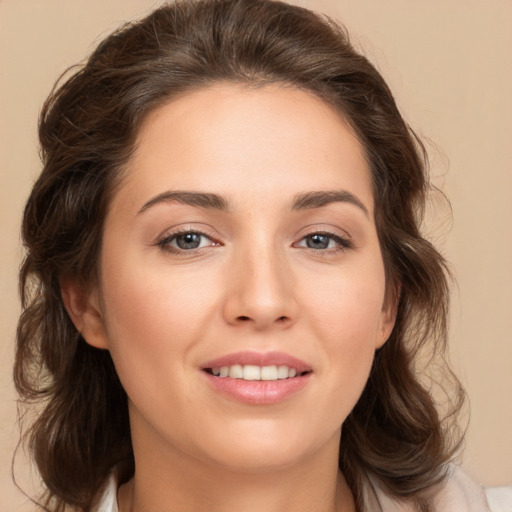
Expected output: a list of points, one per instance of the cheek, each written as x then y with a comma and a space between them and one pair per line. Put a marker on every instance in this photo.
154, 326
144, 300
347, 305
153, 321
347, 315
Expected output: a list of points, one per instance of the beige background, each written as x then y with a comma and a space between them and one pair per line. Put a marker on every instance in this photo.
449, 64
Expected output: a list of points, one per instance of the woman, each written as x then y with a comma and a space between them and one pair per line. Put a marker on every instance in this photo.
231, 287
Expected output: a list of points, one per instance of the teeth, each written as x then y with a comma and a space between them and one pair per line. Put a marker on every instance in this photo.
236, 371
253, 372
269, 373
282, 372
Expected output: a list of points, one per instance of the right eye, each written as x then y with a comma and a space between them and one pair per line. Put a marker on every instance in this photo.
186, 241
325, 242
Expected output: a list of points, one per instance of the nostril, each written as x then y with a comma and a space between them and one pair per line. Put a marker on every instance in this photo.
244, 318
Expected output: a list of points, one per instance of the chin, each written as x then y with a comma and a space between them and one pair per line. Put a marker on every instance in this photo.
261, 448
258, 460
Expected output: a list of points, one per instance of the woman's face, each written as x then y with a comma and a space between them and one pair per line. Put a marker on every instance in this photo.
242, 242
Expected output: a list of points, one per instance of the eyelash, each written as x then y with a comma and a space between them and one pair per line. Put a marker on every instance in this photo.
342, 243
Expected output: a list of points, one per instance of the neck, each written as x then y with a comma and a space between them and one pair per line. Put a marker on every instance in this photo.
168, 481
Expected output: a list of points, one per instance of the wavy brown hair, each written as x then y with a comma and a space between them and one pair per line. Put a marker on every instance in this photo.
88, 126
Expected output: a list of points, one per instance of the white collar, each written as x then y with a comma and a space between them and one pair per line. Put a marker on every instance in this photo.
108, 496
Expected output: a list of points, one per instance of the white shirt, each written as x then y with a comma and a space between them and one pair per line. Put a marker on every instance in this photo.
460, 494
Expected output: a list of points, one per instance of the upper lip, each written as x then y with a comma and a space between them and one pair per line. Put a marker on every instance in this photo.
258, 359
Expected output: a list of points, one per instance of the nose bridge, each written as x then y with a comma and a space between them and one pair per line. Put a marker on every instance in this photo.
261, 288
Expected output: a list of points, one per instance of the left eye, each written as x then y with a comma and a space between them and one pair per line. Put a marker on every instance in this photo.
187, 241
322, 241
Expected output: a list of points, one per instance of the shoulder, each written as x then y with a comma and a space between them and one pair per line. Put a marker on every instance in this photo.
462, 493
459, 493
499, 498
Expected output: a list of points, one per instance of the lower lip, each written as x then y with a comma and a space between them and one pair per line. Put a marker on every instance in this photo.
258, 392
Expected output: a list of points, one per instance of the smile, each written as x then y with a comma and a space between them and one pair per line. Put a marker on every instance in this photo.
253, 372
256, 378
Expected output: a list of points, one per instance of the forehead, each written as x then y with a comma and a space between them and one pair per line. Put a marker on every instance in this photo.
230, 139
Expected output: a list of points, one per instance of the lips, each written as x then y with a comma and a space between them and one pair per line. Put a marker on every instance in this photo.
259, 359
257, 378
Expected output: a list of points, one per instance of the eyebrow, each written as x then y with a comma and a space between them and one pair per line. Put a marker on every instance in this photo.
321, 198
200, 199
303, 201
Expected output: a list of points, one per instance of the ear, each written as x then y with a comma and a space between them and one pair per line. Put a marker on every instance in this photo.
388, 316
83, 307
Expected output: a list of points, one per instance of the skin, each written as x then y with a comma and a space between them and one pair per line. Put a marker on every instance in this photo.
256, 282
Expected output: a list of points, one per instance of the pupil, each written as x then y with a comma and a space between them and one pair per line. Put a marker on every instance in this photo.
318, 242
189, 241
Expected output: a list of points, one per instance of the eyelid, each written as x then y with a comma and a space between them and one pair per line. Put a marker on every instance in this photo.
326, 229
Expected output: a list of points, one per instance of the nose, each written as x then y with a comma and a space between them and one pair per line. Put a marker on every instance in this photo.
260, 290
